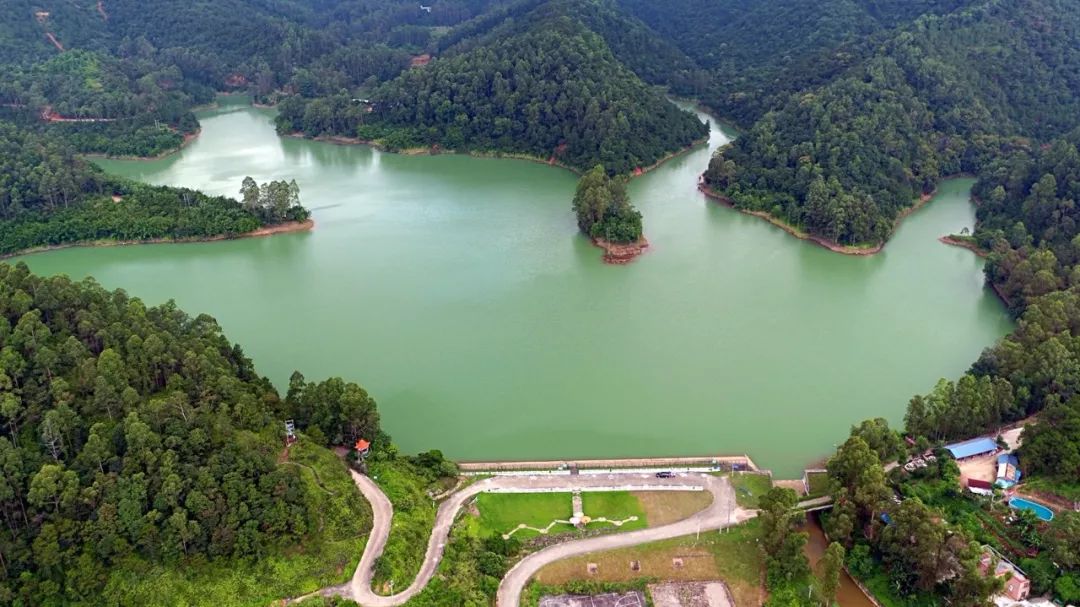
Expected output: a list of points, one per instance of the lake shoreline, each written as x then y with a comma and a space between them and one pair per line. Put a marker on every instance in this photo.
833, 246
436, 150
790, 229
281, 228
621, 253
188, 138
953, 241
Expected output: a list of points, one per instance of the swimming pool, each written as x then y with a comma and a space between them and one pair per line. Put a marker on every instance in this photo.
1040, 511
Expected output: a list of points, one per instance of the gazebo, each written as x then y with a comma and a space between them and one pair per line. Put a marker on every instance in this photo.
362, 447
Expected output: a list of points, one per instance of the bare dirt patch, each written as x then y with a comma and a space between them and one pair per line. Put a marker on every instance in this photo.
691, 594
613, 566
980, 468
619, 254
795, 485
732, 557
283, 228
664, 507
612, 599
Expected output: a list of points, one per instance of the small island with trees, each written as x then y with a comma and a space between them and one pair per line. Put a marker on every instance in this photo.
605, 215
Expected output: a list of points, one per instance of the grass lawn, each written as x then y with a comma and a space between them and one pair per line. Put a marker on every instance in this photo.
731, 556
819, 484
326, 558
664, 507
501, 512
615, 506
749, 487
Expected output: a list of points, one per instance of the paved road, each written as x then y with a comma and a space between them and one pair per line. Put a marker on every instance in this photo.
721, 513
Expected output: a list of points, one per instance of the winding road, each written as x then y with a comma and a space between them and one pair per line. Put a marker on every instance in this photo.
721, 513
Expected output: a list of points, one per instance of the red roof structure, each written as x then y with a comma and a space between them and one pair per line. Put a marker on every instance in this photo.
362, 445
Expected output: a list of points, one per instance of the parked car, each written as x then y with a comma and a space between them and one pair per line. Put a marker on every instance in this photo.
665, 474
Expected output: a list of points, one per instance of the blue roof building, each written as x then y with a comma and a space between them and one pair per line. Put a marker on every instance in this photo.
1008, 471
972, 448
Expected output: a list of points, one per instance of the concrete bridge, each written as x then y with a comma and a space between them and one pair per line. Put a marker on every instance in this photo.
815, 504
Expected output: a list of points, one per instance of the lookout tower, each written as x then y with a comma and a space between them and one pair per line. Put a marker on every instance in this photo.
290, 432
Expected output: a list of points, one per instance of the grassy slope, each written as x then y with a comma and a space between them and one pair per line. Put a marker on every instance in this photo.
749, 487
327, 559
819, 484
1068, 491
414, 516
664, 507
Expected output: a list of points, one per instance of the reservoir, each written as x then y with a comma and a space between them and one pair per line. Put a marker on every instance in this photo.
458, 292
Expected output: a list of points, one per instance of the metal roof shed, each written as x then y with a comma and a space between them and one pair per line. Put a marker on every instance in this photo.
973, 447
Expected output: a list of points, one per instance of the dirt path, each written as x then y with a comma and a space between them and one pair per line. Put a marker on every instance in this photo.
56, 43
721, 513
101, 10
48, 115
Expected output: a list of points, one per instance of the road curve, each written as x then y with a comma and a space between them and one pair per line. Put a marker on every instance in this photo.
722, 512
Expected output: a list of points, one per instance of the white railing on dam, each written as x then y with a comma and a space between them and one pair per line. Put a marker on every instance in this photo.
598, 488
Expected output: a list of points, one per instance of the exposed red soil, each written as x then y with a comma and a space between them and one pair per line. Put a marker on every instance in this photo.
283, 228
823, 242
420, 60
963, 244
49, 115
619, 254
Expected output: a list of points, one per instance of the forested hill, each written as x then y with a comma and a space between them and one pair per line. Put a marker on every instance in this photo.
137, 436
553, 90
49, 196
842, 160
130, 71
750, 54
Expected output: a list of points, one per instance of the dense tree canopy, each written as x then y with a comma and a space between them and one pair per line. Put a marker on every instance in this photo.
844, 159
746, 56
603, 208
142, 71
549, 90
921, 552
136, 432
49, 196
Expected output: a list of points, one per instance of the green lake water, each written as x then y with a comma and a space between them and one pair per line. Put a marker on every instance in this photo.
458, 292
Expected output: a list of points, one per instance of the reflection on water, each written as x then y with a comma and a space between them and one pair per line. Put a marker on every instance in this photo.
459, 293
